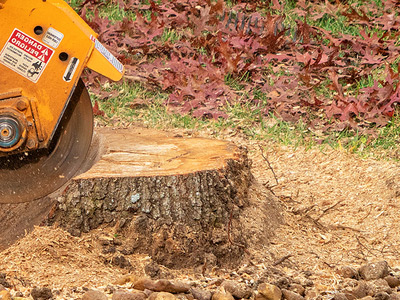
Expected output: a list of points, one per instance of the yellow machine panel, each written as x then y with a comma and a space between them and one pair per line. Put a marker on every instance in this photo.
45, 46
46, 118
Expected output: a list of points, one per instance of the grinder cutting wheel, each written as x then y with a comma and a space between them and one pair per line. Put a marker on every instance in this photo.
46, 120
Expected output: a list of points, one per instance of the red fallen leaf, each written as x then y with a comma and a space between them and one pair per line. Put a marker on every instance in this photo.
335, 84
217, 7
97, 111
353, 15
276, 5
390, 113
370, 58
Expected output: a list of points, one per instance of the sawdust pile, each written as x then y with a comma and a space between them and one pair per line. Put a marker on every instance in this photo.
52, 257
340, 209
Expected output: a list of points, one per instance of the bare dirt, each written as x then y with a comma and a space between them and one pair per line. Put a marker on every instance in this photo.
326, 210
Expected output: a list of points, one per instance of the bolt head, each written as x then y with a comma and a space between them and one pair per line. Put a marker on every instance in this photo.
31, 144
22, 105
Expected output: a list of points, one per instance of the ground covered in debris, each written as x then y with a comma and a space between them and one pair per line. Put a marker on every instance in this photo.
333, 213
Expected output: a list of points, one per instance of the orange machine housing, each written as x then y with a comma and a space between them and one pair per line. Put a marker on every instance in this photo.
44, 48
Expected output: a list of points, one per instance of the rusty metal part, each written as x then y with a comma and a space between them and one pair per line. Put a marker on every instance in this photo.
35, 174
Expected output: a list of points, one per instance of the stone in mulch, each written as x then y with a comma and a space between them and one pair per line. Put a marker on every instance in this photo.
42, 293
373, 271
348, 272
355, 289
94, 295
161, 285
176, 287
297, 288
125, 295
392, 281
221, 294
162, 296
239, 291
339, 296
289, 295
200, 294
380, 285
143, 284
269, 292
382, 296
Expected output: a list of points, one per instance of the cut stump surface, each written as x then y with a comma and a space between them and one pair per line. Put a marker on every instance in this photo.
173, 197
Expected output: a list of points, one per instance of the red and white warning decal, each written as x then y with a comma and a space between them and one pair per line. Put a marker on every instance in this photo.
25, 55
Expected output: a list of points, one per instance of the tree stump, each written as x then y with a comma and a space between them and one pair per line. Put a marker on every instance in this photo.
177, 199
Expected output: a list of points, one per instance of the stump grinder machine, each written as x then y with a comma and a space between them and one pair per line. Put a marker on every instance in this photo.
46, 119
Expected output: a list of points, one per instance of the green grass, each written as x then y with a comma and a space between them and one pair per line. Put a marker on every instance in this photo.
245, 119
113, 12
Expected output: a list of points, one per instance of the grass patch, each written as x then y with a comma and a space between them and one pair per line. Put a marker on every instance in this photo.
134, 103
113, 12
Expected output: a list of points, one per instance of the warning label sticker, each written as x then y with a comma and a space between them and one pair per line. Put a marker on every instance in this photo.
53, 37
25, 55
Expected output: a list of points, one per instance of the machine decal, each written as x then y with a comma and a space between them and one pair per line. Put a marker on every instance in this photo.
107, 54
25, 55
70, 71
53, 37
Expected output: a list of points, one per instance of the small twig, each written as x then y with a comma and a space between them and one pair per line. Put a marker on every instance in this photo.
304, 211
269, 165
328, 209
282, 259
363, 246
316, 223
308, 209
329, 265
366, 216
344, 227
270, 188
23, 282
